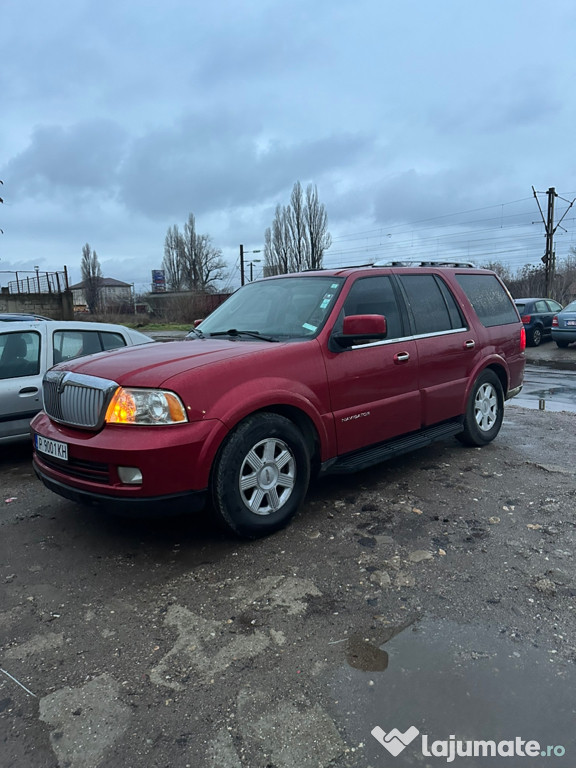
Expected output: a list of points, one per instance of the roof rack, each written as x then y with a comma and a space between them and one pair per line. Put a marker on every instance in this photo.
454, 264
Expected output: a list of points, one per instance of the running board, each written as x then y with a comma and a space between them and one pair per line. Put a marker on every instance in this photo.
367, 457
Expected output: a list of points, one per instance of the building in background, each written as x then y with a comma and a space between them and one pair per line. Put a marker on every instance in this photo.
114, 295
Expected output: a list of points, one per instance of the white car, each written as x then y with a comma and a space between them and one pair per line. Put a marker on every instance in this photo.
28, 349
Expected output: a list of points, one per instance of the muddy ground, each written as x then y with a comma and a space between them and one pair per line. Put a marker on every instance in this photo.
436, 592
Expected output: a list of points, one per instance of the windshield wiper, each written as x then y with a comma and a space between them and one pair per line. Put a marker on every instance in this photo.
196, 331
236, 332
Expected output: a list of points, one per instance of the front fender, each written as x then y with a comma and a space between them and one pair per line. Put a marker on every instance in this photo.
240, 401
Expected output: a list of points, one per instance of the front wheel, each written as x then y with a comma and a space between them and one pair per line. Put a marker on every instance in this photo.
484, 411
261, 475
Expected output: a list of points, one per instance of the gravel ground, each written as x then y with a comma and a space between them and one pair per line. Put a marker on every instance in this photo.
435, 591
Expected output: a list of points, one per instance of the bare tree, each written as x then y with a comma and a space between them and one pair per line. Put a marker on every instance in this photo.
281, 244
298, 237
91, 278
190, 257
210, 265
173, 262
297, 224
316, 218
503, 271
190, 260
564, 284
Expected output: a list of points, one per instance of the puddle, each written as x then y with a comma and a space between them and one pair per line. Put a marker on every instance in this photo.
455, 684
542, 404
547, 390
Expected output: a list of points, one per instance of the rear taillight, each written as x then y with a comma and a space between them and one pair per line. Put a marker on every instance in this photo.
526, 319
555, 321
522, 339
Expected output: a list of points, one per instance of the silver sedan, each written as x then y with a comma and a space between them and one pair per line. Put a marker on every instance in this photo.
29, 349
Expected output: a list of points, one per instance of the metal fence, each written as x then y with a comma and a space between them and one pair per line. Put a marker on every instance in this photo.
40, 282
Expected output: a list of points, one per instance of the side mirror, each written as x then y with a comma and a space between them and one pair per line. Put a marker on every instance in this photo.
197, 322
361, 328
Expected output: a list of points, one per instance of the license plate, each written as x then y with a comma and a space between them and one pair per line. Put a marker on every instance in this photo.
570, 322
52, 447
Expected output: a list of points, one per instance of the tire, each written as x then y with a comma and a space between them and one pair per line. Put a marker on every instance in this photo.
562, 344
535, 337
484, 411
261, 475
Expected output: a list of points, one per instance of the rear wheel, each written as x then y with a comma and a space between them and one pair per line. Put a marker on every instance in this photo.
261, 475
484, 412
535, 337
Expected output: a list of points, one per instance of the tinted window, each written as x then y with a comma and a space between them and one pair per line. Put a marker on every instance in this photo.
489, 299
375, 296
19, 354
433, 306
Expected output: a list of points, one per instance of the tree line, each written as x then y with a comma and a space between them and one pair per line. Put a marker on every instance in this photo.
296, 241
298, 237
530, 280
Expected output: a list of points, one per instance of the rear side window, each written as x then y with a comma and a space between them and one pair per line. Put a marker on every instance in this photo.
71, 344
111, 340
434, 309
489, 298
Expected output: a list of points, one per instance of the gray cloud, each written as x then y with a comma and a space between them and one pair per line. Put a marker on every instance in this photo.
79, 158
209, 163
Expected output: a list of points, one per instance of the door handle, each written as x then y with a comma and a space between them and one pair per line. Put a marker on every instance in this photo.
470, 344
401, 357
28, 391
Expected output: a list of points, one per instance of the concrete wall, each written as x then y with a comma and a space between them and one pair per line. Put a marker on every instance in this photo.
58, 306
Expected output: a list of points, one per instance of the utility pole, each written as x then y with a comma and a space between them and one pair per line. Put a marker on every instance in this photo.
242, 275
549, 258
549, 254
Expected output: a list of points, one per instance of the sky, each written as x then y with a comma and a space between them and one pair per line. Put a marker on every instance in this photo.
424, 126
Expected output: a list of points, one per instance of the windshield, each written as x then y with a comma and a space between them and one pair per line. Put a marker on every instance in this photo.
289, 307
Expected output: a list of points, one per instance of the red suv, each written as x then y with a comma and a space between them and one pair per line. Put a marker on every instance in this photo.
328, 371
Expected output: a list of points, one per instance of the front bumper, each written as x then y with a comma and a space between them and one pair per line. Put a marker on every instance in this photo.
176, 504
175, 462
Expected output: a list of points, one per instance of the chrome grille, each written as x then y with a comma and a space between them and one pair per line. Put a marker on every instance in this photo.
76, 399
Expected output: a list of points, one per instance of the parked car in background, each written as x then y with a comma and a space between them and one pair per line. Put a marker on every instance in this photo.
29, 349
537, 314
19, 317
564, 325
332, 371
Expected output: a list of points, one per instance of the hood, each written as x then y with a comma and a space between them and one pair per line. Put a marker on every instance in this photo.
150, 365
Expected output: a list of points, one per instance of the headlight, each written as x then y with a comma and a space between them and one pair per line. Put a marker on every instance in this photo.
145, 406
